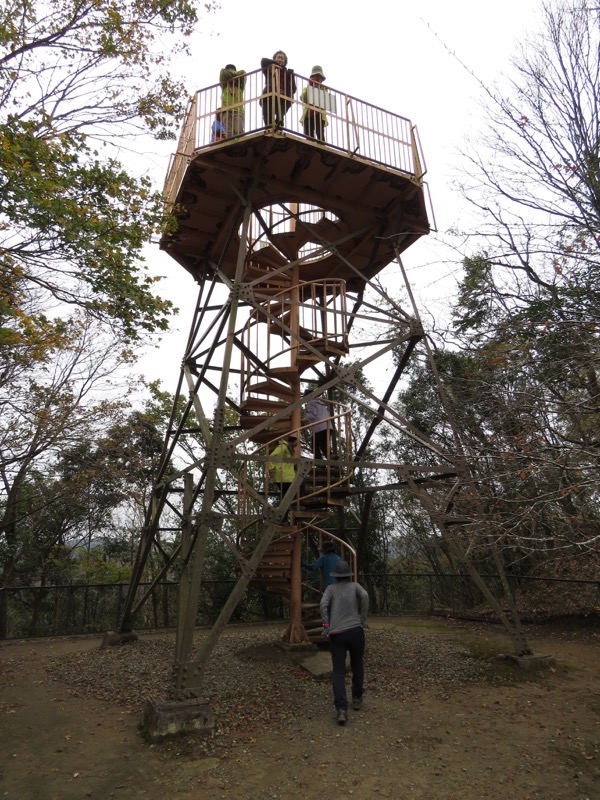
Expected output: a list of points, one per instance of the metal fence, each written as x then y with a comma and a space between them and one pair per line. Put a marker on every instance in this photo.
39, 611
36, 611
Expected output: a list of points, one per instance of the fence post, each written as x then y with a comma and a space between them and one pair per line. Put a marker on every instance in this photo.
119, 604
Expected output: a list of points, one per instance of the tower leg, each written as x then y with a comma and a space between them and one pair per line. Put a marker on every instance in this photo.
295, 633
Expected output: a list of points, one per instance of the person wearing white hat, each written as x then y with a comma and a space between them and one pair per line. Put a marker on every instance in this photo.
317, 417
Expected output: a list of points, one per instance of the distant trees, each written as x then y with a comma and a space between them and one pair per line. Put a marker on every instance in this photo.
74, 78
75, 469
527, 320
79, 82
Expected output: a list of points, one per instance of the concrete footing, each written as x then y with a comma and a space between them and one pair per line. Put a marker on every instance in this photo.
164, 718
317, 664
533, 661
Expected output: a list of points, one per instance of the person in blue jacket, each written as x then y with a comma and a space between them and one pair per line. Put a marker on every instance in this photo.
325, 563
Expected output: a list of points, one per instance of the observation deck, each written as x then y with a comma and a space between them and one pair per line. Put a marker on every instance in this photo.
342, 208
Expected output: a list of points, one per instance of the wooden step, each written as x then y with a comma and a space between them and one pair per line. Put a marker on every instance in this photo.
325, 229
254, 272
266, 280
336, 345
274, 388
282, 591
313, 502
316, 482
272, 576
281, 569
312, 514
273, 308
306, 360
284, 374
290, 242
250, 420
278, 551
271, 585
326, 347
261, 404
281, 562
264, 292
267, 256
312, 624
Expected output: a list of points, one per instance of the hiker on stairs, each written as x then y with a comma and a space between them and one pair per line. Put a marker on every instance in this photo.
325, 563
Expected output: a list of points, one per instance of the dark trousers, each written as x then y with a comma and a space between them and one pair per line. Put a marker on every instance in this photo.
283, 487
314, 126
351, 641
274, 110
320, 443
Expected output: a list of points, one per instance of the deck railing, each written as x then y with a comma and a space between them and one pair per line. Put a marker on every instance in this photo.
359, 129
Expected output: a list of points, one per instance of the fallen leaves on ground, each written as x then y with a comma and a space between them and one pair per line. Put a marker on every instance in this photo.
250, 681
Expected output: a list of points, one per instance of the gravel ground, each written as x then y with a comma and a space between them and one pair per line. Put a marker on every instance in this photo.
252, 684
437, 721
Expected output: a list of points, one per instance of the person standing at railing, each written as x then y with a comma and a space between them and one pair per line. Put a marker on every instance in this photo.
233, 83
316, 415
217, 130
314, 98
279, 91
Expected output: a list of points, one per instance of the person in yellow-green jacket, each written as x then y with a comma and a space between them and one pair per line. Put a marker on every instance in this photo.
233, 83
314, 117
280, 473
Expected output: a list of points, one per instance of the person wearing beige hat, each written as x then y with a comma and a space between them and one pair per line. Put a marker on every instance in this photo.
313, 116
344, 608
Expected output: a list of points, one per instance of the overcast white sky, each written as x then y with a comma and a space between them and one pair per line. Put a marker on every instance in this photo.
404, 57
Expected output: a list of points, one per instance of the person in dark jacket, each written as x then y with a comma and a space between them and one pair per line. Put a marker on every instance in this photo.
279, 91
344, 608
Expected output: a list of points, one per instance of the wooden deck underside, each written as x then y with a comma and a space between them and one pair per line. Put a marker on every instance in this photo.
376, 208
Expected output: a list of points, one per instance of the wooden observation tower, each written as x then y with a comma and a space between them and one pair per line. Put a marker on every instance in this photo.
286, 238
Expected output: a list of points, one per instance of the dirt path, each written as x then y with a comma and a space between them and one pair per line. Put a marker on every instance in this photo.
536, 737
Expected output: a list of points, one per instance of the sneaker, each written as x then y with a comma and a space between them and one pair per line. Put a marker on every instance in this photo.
342, 716
357, 703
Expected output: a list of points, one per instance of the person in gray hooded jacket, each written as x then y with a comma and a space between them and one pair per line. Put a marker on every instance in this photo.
344, 608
